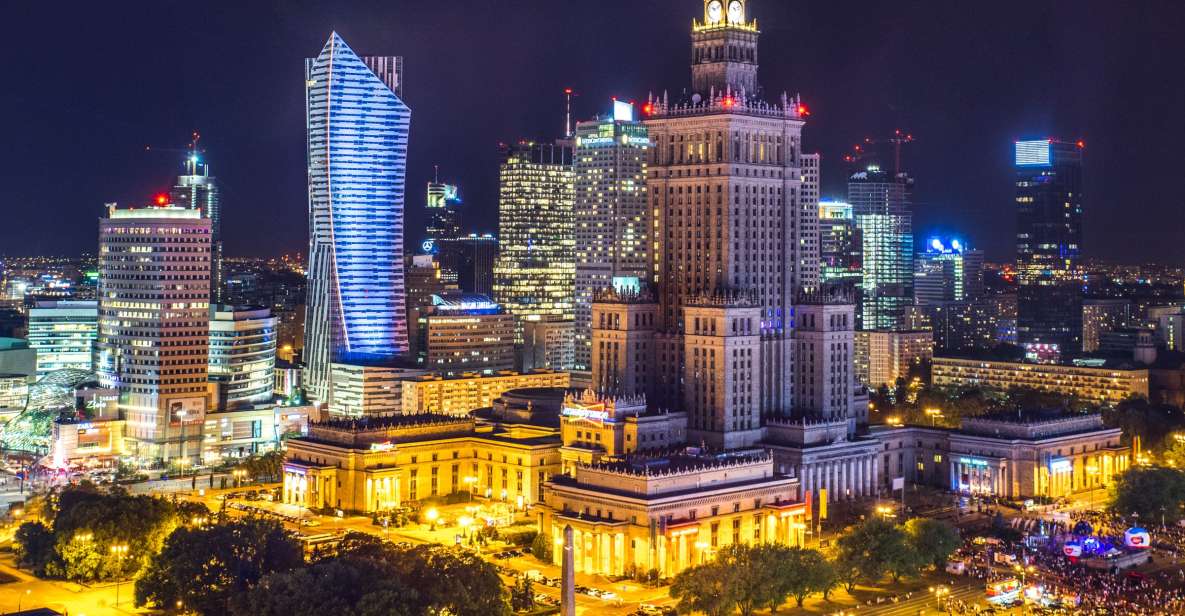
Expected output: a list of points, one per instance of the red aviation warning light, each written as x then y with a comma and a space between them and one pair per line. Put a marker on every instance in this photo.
803, 111
648, 109
729, 102
1081, 144
162, 199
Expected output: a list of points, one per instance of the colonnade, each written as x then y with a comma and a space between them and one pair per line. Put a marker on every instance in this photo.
844, 479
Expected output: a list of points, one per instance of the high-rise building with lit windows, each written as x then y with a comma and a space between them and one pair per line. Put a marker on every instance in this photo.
243, 355
614, 226
840, 245
444, 214
197, 189
881, 205
536, 265
948, 272
1048, 244
154, 319
63, 333
357, 157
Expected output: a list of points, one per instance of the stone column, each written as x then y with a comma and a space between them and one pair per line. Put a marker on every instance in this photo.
568, 577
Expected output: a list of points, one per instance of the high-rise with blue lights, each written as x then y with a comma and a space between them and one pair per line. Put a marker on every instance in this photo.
881, 204
357, 156
1048, 246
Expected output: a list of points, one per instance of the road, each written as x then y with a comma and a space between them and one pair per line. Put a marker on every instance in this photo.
923, 602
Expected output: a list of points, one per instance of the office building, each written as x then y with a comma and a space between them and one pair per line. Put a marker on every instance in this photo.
357, 149
468, 262
14, 392
425, 279
154, 323
882, 357
357, 390
1169, 322
1100, 315
460, 333
197, 190
947, 272
613, 221
726, 177
534, 274
17, 357
1049, 200
1016, 456
63, 334
444, 213
882, 206
547, 345
1108, 383
242, 355
840, 246
959, 326
458, 395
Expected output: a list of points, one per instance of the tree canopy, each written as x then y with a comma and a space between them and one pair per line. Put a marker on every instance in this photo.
877, 546
749, 578
1149, 493
933, 540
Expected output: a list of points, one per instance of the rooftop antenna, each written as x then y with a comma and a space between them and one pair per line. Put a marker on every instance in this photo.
435, 174
568, 112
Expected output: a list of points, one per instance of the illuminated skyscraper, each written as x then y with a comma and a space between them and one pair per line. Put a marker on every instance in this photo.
357, 157
63, 334
1048, 244
535, 270
948, 272
725, 177
154, 291
243, 355
613, 220
840, 246
444, 215
881, 204
197, 189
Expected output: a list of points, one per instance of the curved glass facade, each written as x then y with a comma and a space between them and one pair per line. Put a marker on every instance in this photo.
357, 154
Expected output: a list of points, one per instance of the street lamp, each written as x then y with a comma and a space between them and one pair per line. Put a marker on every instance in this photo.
432, 515
21, 599
939, 592
1091, 471
1022, 571
118, 551
469, 483
934, 415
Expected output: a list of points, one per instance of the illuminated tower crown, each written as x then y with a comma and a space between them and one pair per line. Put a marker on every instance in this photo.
724, 48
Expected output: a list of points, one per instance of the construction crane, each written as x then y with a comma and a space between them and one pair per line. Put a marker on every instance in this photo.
860, 151
191, 151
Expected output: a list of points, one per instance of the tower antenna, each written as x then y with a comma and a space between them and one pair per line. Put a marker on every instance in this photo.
568, 112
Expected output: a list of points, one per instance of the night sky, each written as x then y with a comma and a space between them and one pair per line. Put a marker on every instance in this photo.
88, 85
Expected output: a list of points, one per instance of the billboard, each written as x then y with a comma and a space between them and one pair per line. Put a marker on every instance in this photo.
186, 410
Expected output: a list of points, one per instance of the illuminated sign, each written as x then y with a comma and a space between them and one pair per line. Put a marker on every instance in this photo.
973, 462
381, 446
576, 412
630, 284
623, 112
428, 246
1034, 153
1060, 465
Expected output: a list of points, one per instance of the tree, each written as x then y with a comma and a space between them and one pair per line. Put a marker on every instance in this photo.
933, 540
34, 544
343, 586
800, 572
705, 588
1150, 492
541, 548
877, 546
753, 575
205, 567
846, 566
522, 596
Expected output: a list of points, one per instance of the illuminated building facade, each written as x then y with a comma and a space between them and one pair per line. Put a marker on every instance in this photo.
840, 245
357, 390
882, 206
1105, 384
1048, 243
624, 328
613, 222
357, 149
947, 272
458, 395
425, 280
196, 189
242, 355
824, 373
1033, 455
1103, 315
882, 357
444, 213
725, 178
534, 275
63, 332
154, 320
462, 333
468, 261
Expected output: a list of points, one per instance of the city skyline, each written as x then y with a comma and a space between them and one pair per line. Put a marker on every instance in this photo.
254, 141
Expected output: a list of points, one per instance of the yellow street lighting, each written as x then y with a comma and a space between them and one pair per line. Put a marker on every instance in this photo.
432, 515
118, 551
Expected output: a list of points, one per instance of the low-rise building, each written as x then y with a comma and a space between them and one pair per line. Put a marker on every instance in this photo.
1033, 454
668, 513
458, 395
1101, 383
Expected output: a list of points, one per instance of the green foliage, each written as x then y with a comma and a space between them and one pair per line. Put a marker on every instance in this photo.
876, 547
264, 467
522, 596
933, 540
521, 537
846, 566
205, 568
34, 546
800, 573
1150, 492
1152, 424
344, 586
706, 588
541, 548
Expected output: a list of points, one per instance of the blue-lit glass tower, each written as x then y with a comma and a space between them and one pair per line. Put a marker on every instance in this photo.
357, 152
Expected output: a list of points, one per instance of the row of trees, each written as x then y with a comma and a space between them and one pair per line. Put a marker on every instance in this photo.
254, 568
749, 578
1151, 494
86, 535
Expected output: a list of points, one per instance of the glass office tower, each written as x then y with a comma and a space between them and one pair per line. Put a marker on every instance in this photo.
1048, 246
882, 205
357, 155
196, 189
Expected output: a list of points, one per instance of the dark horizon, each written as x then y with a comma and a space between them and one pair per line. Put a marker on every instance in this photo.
94, 87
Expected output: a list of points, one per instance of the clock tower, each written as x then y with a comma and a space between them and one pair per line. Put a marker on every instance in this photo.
724, 48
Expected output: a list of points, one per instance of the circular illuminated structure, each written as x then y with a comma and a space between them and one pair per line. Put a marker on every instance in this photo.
48, 398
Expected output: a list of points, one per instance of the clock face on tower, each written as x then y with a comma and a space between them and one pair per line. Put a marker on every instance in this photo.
715, 12
736, 12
